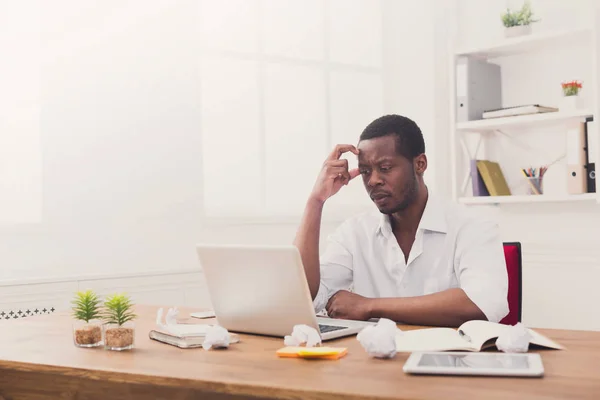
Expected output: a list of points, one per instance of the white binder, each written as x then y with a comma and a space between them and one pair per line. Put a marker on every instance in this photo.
576, 159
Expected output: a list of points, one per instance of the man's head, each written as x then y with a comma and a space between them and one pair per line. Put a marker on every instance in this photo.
392, 161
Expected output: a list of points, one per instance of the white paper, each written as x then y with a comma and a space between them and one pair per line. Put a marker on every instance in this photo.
216, 337
380, 340
303, 334
181, 330
514, 340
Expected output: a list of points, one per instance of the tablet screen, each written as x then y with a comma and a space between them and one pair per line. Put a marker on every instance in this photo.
497, 361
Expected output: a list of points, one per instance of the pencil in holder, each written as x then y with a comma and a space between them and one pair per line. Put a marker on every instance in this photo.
535, 185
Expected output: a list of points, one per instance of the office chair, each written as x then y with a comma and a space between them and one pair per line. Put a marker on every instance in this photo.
514, 266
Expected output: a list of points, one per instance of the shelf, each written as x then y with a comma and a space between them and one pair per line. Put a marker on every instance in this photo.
523, 121
528, 43
527, 199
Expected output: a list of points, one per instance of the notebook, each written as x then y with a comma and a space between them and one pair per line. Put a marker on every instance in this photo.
185, 341
492, 176
471, 336
517, 110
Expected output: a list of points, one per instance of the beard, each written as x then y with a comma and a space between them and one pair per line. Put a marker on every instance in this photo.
410, 191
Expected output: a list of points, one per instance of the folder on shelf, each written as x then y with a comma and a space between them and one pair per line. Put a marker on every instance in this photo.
592, 150
492, 176
477, 183
576, 159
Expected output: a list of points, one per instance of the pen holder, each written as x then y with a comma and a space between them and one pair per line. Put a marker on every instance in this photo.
535, 185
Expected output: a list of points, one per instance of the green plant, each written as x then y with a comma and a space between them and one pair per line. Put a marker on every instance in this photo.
118, 309
86, 306
524, 16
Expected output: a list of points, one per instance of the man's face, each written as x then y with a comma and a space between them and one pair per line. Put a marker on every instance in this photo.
389, 178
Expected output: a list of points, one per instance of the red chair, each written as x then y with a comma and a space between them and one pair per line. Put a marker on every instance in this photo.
512, 254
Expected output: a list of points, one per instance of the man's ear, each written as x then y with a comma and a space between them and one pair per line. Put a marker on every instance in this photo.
420, 163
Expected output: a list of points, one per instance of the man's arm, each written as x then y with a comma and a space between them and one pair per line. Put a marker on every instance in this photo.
332, 177
307, 242
451, 307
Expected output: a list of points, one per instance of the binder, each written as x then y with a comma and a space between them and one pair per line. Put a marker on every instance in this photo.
478, 88
576, 159
592, 153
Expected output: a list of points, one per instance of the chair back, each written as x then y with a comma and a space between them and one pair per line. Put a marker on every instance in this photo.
512, 254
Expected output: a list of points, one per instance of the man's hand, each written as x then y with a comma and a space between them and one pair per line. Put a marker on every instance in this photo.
334, 173
347, 305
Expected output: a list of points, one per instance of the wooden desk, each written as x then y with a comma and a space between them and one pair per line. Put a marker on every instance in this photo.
38, 361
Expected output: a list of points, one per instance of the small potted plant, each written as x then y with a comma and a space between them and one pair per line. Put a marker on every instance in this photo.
118, 328
87, 331
518, 23
570, 100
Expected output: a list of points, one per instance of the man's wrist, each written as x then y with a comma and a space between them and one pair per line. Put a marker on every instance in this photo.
371, 305
314, 201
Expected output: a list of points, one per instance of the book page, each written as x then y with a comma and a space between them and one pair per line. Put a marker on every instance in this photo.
431, 339
541, 340
480, 332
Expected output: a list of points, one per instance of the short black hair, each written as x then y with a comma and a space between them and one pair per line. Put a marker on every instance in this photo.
409, 139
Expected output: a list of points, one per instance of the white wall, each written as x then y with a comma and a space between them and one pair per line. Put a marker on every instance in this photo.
123, 124
561, 259
121, 149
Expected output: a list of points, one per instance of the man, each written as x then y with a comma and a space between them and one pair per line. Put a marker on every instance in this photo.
419, 260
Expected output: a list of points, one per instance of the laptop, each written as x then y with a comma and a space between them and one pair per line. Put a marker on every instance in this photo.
263, 290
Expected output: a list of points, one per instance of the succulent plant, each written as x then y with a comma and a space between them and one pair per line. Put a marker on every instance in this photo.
86, 306
118, 309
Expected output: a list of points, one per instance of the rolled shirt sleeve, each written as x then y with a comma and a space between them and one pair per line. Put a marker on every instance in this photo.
481, 267
336, 269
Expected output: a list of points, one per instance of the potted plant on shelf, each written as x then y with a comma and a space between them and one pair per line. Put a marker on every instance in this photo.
570, 100
87, 331
118, 328
518, 23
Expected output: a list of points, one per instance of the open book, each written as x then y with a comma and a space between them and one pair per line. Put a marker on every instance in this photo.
470, 336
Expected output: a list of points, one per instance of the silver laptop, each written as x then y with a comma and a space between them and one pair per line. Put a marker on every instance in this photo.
263, 290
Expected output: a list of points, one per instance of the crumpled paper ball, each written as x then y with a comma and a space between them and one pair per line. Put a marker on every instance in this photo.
514, 339
303, 334
170, 318
216, 337
379, 340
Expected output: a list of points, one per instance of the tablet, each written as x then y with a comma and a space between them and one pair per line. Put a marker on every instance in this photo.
462, 363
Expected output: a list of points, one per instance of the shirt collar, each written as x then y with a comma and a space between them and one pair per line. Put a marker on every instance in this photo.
433, 218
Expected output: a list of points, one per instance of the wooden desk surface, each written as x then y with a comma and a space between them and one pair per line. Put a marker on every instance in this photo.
38, 360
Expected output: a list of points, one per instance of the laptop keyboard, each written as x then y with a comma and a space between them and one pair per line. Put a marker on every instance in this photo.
330, 328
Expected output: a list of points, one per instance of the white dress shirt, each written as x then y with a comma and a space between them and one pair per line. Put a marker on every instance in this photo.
452, 249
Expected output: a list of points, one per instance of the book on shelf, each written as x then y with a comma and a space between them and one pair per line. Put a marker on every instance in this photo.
479, 188
492, 176
517, 110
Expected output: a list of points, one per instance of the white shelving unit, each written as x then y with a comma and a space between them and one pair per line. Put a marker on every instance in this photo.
528, 43
483, 128
544, 198
524, 121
